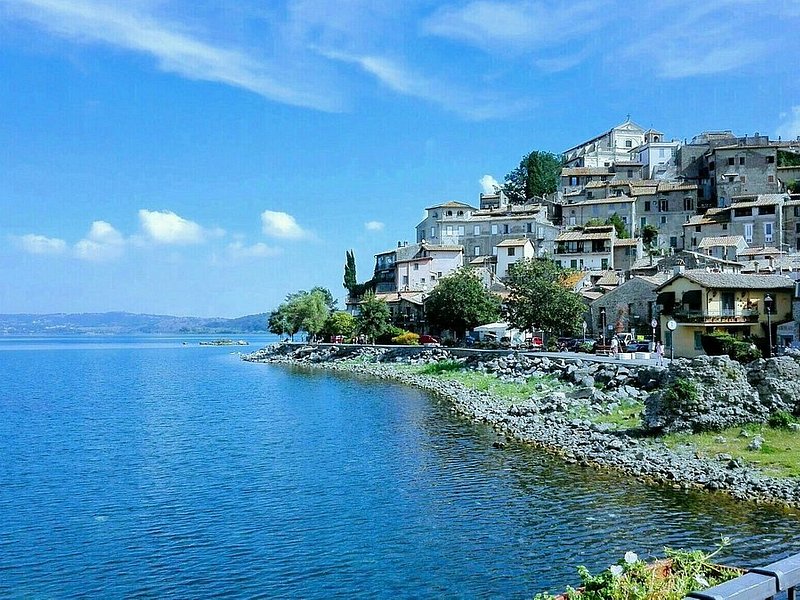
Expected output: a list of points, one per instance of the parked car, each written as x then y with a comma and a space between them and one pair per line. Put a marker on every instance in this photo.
535, 343
429, 340
638, 347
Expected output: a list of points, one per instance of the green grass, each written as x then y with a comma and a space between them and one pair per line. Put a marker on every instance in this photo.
628, 416
779, 455
484, 382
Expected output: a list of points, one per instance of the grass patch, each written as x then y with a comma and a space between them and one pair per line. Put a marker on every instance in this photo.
484, 382
627, 416
779, 454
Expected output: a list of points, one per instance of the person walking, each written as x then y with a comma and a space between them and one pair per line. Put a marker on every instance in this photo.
659, 353
615, 347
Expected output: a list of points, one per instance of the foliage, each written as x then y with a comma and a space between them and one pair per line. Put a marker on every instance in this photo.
649, 236
406, 339
539, 300
679, 574
459, 302
340, 323
392, 331
350, 277
373, 318
788, 159
357, 290
279, 322
793, 186
442, 366
681, 393
302, 311
721, 342
327, 296
615, 220
781, 420
538, 174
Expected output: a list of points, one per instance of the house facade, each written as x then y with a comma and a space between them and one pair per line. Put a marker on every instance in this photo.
700, 302
591, 248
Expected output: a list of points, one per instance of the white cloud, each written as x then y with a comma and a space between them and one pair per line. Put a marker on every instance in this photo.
240, 251
282, 225
489, 184
103, 242
39, 244
131, 28
165, 227
373, 226
789, 129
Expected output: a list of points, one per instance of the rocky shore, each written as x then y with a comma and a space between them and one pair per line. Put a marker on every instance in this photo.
557, 415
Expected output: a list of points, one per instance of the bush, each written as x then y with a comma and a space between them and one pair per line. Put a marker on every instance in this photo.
680, 394
392, 332
720, 342
406, 339
781, 420
443, 366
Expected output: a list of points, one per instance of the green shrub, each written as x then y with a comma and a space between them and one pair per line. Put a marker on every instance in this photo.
406, 339
718, 343
443, 366
681, 393
781, 420
392, 332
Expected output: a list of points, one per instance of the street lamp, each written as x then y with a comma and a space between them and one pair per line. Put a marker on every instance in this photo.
768, 307
603, 321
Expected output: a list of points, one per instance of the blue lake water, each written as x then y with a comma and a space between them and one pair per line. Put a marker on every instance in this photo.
143, 468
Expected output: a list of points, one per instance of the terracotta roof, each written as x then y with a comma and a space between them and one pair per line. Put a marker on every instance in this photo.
574, 236
391, 297
762, 250
626, 242
571, 280
610, 278
760, 200
673, 186
725, 241
480, 260
611, 200
734, 281
451, 204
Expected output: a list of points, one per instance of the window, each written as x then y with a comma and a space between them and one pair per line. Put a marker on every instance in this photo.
797, 228
741, 160
494, 229
405, 279
628, 144
433, 232
770, 178
688, 204
573, 264
797, 211
770, 160
604, 264
662, 152
433, 278
673, 241
528, 227
558, 262
642, 221
449, 213
476, 250
573, 181
460, 213
439, 274
768, 229
748, 233
460, 230
416, 266
476, 230
618, 192
724, 227
698, 228
572, 221
436, 215
589, 195
505, 227
540, 233
743, 178
512, 251
698, 340
663, 205
647, 205
422, 280
712, 165
731, 161
448, 230
630, 173
663, 220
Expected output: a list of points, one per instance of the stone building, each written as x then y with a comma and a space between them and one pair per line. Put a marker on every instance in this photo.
791, 224
726, 247
591, 248
415, 267
607, 148
667, 206
628, 307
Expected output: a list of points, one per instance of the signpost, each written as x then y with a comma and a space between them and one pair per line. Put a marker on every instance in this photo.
672, 326
654, 324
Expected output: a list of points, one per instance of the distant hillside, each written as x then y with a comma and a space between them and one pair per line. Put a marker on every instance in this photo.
122, 323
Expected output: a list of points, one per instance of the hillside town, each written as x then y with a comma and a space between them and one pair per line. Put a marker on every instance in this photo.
666, 239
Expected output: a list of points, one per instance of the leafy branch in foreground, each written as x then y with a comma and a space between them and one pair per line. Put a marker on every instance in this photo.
672, 578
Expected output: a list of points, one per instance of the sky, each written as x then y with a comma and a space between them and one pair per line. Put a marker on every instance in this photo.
207, 158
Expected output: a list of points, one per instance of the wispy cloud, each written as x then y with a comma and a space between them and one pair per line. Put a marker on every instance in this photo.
480, 105
128, 26
789, 128
282, 225
39, 244
165, 227
103, 242
374, 226
240, 251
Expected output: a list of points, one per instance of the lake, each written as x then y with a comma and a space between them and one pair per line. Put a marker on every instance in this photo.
142, 468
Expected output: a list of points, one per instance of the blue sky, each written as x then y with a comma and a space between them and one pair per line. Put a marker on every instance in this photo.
157, 156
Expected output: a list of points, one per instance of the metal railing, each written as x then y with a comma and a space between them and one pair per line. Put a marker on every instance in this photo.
745, 315
758, 584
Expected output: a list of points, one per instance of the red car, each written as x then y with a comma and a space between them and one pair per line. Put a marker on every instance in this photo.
428, 340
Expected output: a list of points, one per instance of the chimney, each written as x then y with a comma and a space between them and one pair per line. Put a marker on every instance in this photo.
679, 268
399, 244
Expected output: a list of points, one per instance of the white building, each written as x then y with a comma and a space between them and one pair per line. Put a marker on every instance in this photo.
512, 251
613, 146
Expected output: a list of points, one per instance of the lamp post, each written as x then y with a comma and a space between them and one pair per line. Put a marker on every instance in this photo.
603, 321
768, 308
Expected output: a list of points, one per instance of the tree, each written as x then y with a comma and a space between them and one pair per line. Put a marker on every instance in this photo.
649, 236
615, 220
302, 311
350, 277
459, 302
279, 322
373, 318
538, 174
538, 298
330, 301
340, 323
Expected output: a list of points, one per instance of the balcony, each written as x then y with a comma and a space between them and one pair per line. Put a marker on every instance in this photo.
721, 317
